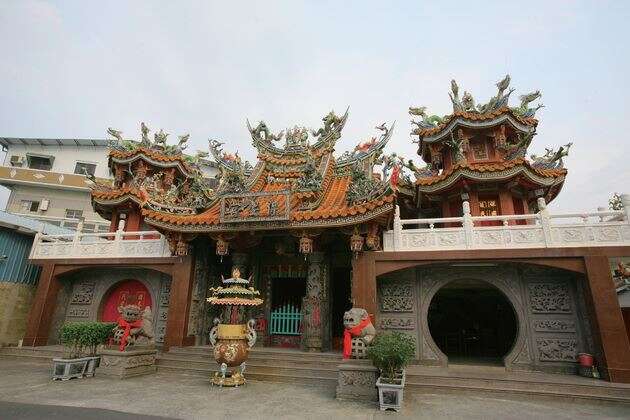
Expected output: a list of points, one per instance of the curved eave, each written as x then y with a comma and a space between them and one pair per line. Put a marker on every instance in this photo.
491, 176
276, 225
374, 149
433, 135
176, 163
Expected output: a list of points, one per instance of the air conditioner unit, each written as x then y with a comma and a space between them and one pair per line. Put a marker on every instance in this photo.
17, 160
43, 205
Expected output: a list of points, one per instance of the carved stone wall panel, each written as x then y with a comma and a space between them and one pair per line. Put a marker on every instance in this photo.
83, 293
79, 312
406, 323
550, 298
557, 349
554, 325
396, 296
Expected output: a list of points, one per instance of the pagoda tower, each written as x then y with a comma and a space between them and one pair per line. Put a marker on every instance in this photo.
479, 154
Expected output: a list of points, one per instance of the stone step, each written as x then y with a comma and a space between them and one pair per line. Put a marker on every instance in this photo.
426, 384
259, 359
257, 376
206, 352
33, 352
253, 367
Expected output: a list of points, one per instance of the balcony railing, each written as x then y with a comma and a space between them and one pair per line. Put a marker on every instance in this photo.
540, 230
118, 244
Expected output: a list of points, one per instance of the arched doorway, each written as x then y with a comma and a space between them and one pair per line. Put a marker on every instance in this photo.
471, 321
124, 292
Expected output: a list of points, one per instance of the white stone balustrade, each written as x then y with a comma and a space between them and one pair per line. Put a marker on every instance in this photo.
117, 244
540, 230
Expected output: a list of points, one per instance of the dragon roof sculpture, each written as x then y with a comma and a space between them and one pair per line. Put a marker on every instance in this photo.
297, 183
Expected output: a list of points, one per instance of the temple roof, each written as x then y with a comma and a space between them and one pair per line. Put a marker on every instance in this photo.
494, 171
298, 185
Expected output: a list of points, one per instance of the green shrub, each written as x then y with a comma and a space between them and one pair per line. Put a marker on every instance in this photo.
391, 352
78, 337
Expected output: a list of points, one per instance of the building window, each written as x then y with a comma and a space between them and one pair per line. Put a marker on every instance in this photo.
40, 162
29, 206
488, 207
85, 168
480, 150
74, 214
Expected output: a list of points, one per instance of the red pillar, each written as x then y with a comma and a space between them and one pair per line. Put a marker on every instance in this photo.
43, 308
506, 204
179, 305
364, 283
607, 320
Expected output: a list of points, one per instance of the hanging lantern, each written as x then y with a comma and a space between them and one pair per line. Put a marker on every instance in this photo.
373, 242
306, 245
181, 249
222, 247
356, 242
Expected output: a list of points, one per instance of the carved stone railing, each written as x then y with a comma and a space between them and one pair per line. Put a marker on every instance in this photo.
117, 244
540, 230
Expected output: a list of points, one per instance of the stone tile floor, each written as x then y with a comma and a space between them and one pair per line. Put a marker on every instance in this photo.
188, 397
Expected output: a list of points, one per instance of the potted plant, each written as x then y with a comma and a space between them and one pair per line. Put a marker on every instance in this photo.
390, 353
94, 334
76, 337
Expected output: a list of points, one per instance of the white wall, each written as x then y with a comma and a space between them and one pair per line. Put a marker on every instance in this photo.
66, 157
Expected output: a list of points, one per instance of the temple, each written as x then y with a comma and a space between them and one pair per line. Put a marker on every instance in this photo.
459, 251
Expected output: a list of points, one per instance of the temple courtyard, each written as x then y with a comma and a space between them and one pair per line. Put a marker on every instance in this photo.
181, 396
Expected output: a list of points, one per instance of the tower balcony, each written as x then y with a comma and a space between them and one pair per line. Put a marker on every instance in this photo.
83, 245
539, 230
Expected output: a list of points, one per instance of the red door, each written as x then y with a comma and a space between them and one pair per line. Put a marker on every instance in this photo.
125, 293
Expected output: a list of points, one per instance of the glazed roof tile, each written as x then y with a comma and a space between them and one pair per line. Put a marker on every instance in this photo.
492, 167
474, 116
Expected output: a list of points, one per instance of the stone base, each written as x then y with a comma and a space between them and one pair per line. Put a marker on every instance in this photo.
357, 381
125, 364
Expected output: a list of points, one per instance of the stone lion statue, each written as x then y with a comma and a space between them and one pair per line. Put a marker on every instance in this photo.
358, 333
135, 326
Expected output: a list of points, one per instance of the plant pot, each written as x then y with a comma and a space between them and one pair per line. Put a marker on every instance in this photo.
66, 369
390, 395
93, 363
585, 359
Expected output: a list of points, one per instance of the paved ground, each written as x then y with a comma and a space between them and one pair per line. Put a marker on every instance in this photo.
187, 397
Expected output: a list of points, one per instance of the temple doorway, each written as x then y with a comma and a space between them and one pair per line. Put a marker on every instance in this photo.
471, 321
126, 292
341, 302
285, 323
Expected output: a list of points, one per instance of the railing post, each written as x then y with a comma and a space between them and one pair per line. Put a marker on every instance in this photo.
77, 238
118, 236
625, 201
36, 240
397, 230
545, 222
467, 224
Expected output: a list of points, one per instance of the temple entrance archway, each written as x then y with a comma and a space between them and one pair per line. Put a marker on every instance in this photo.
124, 293
472, 321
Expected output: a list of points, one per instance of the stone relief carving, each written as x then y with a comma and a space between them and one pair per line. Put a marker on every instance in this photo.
356, 378
396, 296
79, 312
550, 298
407, 323
557, 349
554, 325
83, 294
165, 292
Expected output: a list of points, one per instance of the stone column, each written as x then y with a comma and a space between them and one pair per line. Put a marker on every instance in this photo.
608, 320
179, 305
43, 308
315, 304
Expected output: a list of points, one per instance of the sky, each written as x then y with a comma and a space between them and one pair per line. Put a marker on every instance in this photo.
73, 68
